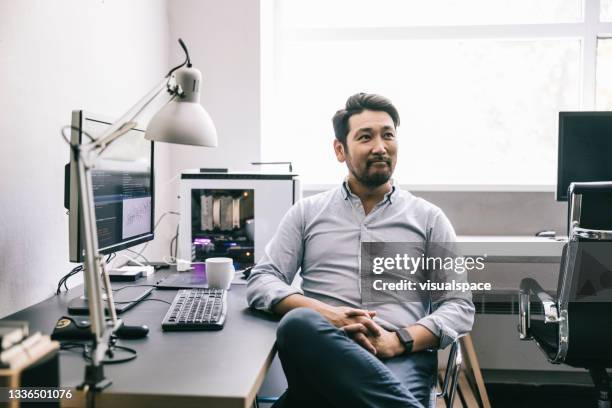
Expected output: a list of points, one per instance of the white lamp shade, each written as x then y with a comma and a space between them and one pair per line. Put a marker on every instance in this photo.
183, 123
184, 120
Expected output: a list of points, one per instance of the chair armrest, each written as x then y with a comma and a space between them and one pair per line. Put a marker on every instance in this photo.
551, 315
587, 233
531, 286
591, 187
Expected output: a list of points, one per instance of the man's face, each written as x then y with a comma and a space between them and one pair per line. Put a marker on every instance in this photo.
371, 151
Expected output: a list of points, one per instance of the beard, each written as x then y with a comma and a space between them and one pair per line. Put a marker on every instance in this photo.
368, 178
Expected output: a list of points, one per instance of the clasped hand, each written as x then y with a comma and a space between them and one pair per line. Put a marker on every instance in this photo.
358, 324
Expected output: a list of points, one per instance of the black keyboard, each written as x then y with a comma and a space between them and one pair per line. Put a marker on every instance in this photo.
197, 309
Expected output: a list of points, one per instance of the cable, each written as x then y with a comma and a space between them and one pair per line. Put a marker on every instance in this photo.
66, 346
86, 353
180, 40
132, 286
65, 137
157, 300
138, 255
143, 300
162, 217
172, 247
187, 59
164, 184
175, 68
155, 229
64, 280
174, 241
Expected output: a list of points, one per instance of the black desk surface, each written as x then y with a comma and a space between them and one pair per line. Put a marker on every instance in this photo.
180, 369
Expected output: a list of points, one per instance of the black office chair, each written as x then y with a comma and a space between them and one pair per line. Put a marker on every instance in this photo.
576, 328
448, 388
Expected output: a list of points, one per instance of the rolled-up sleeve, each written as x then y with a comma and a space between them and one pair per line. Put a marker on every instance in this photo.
452, 311
270, 280
451, 319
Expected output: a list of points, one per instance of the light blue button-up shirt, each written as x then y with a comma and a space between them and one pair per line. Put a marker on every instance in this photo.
321, 237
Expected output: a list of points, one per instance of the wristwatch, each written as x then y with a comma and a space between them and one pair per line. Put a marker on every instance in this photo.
405, 339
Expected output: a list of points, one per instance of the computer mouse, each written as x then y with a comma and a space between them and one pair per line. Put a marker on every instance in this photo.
132, 332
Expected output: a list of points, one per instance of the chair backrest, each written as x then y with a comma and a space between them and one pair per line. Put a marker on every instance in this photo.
585, 278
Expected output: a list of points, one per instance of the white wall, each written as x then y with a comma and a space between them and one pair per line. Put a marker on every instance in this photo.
224, 44
56, 56
223, 38
102, 56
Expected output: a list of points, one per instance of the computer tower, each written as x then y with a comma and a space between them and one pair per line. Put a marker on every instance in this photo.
232, 214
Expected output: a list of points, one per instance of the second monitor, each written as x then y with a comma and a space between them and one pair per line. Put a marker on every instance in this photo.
585, 148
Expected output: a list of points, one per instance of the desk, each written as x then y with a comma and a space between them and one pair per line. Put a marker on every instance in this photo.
176, 369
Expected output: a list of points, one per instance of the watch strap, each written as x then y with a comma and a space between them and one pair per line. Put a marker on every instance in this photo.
405, 338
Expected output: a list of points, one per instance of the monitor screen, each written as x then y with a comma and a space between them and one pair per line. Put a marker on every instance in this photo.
123, 185
585, 148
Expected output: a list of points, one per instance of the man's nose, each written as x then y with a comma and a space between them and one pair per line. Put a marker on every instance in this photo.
379, 146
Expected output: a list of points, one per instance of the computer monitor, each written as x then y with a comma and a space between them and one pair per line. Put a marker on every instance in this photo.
123, 188
585, 149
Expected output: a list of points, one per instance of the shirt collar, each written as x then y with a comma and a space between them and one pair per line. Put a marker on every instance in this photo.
346, 191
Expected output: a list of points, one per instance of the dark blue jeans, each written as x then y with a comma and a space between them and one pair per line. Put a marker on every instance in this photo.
326, 368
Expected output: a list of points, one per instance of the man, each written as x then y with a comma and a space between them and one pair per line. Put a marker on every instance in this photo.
333, 350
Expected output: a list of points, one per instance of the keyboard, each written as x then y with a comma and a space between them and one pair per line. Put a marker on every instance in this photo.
197, 309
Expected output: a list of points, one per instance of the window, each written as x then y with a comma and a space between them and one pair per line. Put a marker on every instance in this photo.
478, 83
604, 74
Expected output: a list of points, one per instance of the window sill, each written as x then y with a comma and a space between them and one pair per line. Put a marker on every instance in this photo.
504, 188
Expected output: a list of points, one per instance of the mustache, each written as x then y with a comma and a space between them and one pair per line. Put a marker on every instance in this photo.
379, 159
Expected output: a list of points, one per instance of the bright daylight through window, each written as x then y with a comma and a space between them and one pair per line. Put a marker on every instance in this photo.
478, 83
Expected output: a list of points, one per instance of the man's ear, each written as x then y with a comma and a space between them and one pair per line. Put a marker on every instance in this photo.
339, 150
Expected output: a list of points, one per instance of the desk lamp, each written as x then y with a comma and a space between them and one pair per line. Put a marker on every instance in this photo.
181, 120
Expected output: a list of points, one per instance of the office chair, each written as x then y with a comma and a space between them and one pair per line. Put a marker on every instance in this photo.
576, 328
448, 389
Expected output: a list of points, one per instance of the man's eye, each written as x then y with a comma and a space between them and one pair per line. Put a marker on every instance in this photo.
365, 137
389, 135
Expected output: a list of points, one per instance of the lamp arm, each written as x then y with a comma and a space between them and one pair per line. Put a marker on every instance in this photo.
95, 265
93, 261
95, 273
127, 122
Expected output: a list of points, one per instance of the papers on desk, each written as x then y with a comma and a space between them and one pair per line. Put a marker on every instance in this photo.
26, 352
12, 332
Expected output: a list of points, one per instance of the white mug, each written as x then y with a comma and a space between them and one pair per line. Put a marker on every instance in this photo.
220, 272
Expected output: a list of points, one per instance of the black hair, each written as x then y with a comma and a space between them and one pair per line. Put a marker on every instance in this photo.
356, 104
